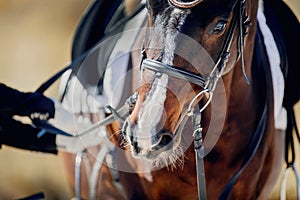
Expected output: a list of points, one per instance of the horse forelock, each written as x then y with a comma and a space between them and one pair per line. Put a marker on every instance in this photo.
163, 34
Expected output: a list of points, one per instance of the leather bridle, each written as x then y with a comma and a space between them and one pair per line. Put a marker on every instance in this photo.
207, 83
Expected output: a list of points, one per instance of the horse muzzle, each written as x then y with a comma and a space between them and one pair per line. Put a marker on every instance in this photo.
149, 147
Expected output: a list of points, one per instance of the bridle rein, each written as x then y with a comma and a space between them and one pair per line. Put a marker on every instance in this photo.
208, 83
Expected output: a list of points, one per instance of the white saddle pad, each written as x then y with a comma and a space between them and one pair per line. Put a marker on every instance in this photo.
280, 115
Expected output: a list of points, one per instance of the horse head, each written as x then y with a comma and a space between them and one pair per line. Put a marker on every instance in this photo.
187, 47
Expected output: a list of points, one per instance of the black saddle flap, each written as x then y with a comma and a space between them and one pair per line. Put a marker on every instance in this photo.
286, 29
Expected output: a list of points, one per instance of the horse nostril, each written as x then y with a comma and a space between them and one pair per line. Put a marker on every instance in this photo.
165, 139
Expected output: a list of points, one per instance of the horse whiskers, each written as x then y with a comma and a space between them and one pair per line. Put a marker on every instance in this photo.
115, 133
123, 142
171, 159
125, 145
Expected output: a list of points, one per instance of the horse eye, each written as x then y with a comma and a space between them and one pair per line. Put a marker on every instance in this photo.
220, 26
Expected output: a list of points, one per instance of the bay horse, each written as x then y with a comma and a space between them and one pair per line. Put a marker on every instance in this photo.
177, 77
204, 114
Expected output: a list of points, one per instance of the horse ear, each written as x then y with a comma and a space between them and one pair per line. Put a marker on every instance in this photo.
92, 25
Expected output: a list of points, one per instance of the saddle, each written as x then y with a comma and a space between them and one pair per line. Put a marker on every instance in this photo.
96, 37
92, 26
286, 30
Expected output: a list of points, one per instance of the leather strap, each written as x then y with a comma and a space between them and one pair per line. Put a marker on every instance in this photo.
199, 152
259, 132
160, 67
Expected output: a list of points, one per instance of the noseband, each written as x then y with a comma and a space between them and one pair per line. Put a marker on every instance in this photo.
207, 83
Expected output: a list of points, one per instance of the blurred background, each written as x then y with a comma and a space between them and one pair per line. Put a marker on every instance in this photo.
35, 42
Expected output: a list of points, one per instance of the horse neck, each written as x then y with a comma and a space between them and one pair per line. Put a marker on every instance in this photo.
237, 90
242, 102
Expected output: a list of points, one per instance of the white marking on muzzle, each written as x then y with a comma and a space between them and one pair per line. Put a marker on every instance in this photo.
151, 111
153, 107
